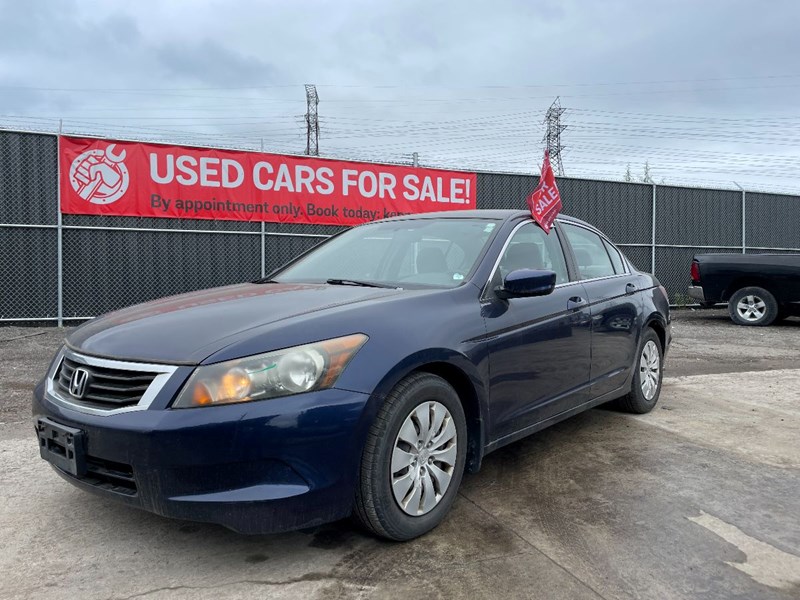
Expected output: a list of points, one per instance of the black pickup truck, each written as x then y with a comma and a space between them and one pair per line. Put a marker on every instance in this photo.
759, 288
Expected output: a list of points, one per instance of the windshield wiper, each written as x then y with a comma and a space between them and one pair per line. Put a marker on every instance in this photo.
359, 283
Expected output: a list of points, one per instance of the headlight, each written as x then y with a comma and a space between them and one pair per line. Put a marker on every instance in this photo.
272, 375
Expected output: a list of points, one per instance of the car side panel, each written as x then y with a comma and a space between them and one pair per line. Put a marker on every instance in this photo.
540, 355
616, 326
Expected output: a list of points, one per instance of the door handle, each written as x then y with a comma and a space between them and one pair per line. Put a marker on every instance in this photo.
630, 289
575, 303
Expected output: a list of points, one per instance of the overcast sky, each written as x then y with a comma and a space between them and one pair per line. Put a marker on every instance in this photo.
705, 91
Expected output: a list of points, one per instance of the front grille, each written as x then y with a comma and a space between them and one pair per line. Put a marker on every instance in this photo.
106, 388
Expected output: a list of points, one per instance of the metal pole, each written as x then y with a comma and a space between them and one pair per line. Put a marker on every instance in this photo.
415, 159
59, 247
263, 238
653, 236
744, 217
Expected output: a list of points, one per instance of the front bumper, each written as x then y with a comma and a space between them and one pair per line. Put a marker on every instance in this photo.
259, 467
696, 292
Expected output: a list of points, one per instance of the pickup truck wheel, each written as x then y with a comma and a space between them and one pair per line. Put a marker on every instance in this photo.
413, 459
647, 375
753, 306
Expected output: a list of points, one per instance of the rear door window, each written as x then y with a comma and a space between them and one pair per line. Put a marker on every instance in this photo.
616, 258
590, 252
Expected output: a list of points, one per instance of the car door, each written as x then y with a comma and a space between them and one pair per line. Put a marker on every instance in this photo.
615, 302
540, 346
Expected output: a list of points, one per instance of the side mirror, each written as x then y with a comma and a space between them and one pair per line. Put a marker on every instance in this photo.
524, 283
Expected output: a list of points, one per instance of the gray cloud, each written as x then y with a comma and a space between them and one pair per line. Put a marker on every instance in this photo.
418, 76
207, 61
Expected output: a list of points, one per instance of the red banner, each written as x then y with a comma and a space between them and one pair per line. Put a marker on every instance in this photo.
545, 200
105, 177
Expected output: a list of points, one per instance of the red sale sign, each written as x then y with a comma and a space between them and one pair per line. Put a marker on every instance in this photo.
105, 177
545, 200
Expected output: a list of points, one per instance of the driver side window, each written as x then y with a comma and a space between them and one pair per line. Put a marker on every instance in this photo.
531, 248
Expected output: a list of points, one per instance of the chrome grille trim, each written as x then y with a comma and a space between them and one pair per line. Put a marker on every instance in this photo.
161, 374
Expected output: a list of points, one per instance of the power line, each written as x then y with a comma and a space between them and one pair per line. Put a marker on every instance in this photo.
368, 86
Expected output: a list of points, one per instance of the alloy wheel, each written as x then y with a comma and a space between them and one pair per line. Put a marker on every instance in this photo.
751, 308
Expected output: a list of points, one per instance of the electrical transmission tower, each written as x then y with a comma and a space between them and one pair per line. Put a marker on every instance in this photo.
312, 121
552, 136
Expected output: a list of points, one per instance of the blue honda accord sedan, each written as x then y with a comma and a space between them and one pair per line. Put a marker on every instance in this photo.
364, 378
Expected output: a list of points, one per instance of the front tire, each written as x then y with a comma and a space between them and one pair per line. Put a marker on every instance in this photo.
647, 376
413, 459
753, 306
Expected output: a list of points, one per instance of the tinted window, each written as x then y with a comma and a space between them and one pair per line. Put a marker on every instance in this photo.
531, 248
410, 253
616, 259
590, 252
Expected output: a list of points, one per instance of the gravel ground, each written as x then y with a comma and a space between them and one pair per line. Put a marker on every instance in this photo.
707, 341
27, 352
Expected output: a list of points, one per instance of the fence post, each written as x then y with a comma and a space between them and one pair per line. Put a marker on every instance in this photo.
59, 232
263, 252
263, 238
744, 217
653, 236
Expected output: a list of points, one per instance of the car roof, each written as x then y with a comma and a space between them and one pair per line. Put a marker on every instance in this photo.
489, 213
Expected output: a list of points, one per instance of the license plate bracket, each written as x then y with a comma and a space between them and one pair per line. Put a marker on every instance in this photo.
62, 446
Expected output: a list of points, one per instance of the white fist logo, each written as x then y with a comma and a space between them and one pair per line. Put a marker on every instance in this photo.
100, 176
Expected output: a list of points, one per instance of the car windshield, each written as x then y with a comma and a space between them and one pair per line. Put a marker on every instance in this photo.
407, 254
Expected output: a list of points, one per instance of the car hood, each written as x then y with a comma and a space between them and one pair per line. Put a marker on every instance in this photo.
186, 329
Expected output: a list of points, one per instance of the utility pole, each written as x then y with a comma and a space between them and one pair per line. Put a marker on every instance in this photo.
312, 121
552, 136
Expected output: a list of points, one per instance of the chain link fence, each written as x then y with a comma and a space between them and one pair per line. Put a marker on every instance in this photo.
72, 267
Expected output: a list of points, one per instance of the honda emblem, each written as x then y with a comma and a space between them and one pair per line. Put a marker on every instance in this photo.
77, 384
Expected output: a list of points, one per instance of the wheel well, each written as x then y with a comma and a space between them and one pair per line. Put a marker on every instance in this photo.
472, 410
744, 282
660, 332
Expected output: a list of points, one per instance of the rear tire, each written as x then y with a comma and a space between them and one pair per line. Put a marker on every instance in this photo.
753, 306
647, 376
413, 459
